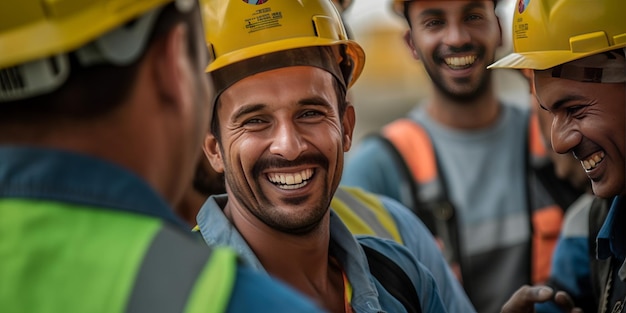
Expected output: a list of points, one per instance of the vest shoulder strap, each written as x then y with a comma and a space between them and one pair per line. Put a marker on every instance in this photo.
414, 144
394, 279
364, 214
430, 201
174, 270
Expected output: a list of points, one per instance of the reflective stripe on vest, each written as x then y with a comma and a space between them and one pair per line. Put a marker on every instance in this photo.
414, 145
176, 277
364, 214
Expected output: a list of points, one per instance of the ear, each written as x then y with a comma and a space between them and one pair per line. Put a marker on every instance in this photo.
213, 153
409, 42
171, 66
349, 121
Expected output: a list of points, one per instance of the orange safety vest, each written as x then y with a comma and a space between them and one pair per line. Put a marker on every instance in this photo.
414, 147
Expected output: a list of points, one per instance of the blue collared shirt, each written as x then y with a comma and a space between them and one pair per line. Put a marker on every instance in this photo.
368, 295
611, 238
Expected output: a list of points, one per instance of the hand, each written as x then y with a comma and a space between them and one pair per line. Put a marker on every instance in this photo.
524, 299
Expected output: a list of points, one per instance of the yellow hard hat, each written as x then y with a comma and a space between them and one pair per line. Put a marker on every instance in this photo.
37, 36
238, 30
547, 33
35, 29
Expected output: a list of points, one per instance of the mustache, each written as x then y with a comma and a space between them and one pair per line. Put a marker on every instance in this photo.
276, 162
453, 50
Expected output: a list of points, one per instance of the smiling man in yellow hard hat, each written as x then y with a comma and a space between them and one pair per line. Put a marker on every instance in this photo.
576, 51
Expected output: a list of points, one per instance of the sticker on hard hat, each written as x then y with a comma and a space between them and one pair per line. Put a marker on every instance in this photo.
522, 5
521, 29
263, 19
255, 2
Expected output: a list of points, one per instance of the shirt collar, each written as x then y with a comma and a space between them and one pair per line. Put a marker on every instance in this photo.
218, 230
611, 240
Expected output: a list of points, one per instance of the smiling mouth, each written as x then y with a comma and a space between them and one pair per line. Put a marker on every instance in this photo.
459, 63
592, 161
290, 181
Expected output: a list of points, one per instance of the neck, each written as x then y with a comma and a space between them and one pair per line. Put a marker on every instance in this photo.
477, 113
302, 261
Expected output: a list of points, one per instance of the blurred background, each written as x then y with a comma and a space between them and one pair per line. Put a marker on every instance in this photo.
393, 82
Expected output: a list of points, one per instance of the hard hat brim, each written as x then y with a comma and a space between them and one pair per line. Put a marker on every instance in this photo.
352, 48
541, 60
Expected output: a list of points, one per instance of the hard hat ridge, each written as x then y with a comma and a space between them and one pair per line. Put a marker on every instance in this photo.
274, 26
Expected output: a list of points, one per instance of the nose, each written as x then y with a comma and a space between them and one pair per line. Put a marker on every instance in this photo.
564, 136
456, 35
287, 141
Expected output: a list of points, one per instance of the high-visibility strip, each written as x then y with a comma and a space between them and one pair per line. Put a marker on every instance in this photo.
168, 273
547, 224
214, 287
364, 218
536, 143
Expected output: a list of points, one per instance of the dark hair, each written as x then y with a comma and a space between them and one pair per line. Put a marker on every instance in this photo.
96, 90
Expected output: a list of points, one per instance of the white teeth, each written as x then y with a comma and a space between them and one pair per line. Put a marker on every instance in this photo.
460, 61
591, 162
291, 180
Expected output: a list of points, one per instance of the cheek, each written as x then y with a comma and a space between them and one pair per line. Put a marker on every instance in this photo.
243, 152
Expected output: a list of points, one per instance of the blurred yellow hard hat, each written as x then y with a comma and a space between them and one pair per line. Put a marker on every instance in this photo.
547, 33
239, 30
36, 37
35, 29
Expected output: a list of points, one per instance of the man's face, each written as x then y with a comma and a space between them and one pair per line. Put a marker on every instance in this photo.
566, 167
588, 121
282, 146
455, 40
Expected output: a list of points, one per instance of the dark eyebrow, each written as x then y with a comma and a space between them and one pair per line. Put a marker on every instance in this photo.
315, 101
431, 12
561, 102
247, 109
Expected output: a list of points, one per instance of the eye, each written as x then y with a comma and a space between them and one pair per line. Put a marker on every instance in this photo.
255, 123
574, 109
473, 17
311, 113
433, 23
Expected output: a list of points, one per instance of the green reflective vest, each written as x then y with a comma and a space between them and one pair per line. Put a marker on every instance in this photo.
59, 257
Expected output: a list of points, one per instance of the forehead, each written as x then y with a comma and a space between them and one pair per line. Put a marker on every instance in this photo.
445, 7
282, 84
